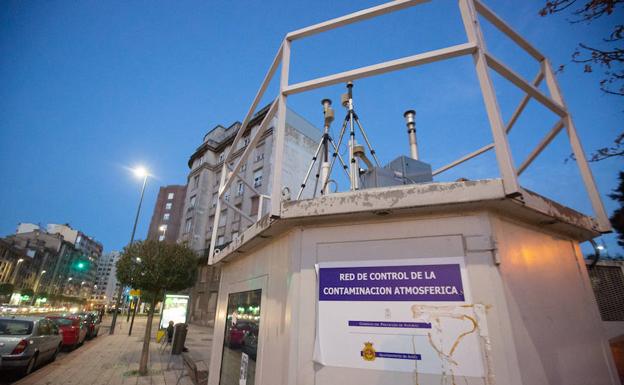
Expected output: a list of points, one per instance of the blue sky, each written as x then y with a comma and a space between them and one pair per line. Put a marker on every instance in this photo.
89, 89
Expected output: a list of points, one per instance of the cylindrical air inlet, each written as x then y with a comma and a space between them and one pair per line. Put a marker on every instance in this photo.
410, 121
328, 111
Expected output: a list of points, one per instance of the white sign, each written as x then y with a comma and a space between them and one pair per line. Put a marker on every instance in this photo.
401, 315
243, 369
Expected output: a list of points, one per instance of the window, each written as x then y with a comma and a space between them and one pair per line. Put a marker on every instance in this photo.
44, 327
221, 157
166, 217
257, 178
170, 196
192, 201
187, 225
220, 240
255, 202
243, 167
217, 179
195, 181
259, 154
234, 235
222, 218
246, 141
214, 200
168, 205
162, 228
240, 189
226, 196
237, 216
243, 313
161, 237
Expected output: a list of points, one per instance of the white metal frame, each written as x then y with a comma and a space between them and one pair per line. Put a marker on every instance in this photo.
483, 60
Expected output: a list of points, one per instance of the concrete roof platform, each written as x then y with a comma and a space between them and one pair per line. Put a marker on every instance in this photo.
416, 200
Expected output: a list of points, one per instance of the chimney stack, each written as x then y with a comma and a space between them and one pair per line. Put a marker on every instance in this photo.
410, 121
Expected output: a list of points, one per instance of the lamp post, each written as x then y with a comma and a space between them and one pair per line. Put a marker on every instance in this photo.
17, 265
36, 288
141, 173
162, 229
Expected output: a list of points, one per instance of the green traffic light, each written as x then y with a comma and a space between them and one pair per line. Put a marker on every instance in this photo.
80, 265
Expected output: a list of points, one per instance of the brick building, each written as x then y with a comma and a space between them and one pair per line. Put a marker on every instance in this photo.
167, 215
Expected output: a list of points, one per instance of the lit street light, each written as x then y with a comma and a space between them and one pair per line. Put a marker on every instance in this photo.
17, 265
140, 172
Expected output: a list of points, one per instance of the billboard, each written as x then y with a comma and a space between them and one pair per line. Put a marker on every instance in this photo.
175, 308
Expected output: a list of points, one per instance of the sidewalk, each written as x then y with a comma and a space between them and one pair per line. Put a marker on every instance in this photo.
114, 360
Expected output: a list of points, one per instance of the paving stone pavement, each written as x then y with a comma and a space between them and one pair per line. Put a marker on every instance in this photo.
114, 359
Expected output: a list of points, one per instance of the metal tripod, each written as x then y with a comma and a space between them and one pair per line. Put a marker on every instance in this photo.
350, 119
324, 170
325, 167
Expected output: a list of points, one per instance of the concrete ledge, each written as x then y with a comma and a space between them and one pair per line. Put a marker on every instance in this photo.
420, 199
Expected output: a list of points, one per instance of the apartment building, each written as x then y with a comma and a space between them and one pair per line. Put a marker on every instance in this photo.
59, 260
167, 214
106, 286
205, 166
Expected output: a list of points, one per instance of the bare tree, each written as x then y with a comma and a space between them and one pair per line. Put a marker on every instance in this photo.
608, 55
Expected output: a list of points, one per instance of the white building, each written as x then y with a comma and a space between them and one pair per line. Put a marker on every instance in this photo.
106, 279
204, 177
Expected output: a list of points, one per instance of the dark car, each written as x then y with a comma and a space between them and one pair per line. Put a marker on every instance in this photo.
92, 320
72, 329
250, 342
26, 342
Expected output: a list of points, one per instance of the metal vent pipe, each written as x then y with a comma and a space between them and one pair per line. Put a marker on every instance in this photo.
410, 121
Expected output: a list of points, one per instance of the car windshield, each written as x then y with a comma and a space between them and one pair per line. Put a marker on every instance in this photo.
11, 327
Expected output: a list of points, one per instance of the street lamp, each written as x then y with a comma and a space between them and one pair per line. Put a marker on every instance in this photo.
139, 172
17, 265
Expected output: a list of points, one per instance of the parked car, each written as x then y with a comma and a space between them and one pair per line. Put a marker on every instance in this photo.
250, 342
73, 330
235, 334
27, 342
92, 321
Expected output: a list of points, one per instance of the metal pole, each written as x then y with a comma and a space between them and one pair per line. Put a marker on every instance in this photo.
136, 219
136, 304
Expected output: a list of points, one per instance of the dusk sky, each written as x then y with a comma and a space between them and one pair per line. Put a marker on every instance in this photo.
89, 89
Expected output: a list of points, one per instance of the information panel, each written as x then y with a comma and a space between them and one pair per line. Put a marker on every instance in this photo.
402, 315
175, 308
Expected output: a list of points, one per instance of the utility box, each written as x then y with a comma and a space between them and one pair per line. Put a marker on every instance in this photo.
418, 284
402, 170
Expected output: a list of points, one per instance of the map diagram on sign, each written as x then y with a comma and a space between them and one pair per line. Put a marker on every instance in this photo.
406, 315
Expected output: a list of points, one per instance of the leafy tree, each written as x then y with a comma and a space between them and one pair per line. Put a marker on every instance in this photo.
6, 289
155, 267
607, 55
617, 219
28, 292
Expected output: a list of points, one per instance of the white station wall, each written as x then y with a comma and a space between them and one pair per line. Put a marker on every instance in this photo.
542, 323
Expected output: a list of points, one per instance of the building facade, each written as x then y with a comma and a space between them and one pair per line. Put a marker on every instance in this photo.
106, 286
200, 205
167, 215
59, 262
